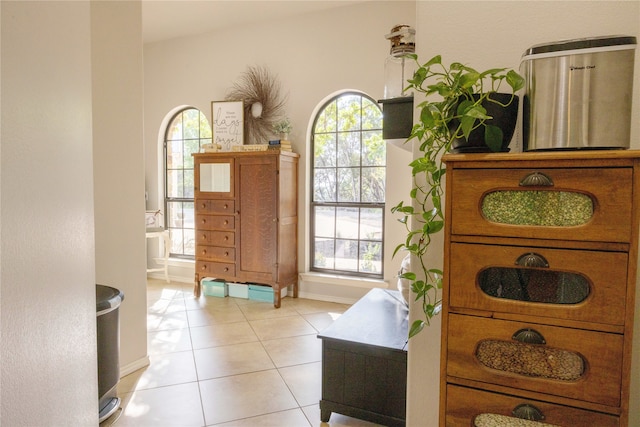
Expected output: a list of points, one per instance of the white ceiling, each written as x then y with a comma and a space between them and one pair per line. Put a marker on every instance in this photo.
168, 19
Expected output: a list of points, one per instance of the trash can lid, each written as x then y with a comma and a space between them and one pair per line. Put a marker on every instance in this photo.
107, 299
577, 46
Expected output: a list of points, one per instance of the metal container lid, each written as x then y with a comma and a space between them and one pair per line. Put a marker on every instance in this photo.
578, 46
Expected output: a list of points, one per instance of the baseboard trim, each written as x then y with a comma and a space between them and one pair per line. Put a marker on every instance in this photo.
134, 366
327, 298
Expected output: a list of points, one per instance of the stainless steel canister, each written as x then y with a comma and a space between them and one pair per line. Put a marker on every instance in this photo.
578, 94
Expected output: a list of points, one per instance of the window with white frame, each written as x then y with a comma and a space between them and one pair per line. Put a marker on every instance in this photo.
348, 187
187, 131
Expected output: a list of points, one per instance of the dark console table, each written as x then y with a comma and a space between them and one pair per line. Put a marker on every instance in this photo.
364, 360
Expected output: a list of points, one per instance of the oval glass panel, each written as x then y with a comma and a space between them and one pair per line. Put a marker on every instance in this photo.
534, 285
530, 360
541, 208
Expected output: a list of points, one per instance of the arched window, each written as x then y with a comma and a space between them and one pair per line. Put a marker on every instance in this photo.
348, 187
185, 134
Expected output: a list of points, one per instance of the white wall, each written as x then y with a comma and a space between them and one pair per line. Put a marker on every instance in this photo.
48, 311
312, 55
486, 34
119, 168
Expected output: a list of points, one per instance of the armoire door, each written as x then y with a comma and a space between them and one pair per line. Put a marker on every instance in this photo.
256, 178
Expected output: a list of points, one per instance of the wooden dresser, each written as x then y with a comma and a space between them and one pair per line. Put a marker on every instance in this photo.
540, 274
246, 218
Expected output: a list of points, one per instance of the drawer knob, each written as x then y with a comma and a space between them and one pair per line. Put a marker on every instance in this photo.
532, 260
536, 179
529, 336
528, 412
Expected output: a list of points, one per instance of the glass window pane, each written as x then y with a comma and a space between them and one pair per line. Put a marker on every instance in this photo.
177, 239
205, 127
349, 114
373, 185
175, 215
191, 128
190, 146
349, 149
371, 117
188, 241
325, 221
175, 188
188, 217
374, 149
346, 255
324, 150
324, 189
326, 121
349, 184
324, 253
347, 223
174, 132
371, 224
188, 184
174, 154
371, 257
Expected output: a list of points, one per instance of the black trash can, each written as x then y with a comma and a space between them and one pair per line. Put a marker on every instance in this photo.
108, 302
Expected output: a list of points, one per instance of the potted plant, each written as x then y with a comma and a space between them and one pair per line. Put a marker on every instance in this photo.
282, 128
460, 113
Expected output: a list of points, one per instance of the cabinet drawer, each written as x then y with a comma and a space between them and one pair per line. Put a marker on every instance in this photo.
470, 407
216, 269
589, 204
215, 222
580, 285
572, 363
216, 238
215, 206
215, 253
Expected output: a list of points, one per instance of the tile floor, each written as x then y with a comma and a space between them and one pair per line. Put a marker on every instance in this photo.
228, 362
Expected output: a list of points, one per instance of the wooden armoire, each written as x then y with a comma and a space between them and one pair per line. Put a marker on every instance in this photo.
246, 219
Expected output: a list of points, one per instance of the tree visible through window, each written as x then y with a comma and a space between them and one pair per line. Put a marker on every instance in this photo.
186, 132
348, 187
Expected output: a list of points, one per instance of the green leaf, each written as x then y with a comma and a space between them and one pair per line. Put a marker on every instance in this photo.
478, 112
433, 227
408, 275
469, 79
493, 137
416, 327
426, 117
435, 60
515, 80
398, 248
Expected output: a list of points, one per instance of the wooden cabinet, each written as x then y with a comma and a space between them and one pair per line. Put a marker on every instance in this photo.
246, 218
540, 268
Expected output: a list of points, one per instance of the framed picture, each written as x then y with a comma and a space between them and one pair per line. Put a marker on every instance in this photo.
227, 123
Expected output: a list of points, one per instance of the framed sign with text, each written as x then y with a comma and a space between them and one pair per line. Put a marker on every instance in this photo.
227, 123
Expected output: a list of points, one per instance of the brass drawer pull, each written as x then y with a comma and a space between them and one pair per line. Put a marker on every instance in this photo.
532, 260
528, 412
529, 336
536, 179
